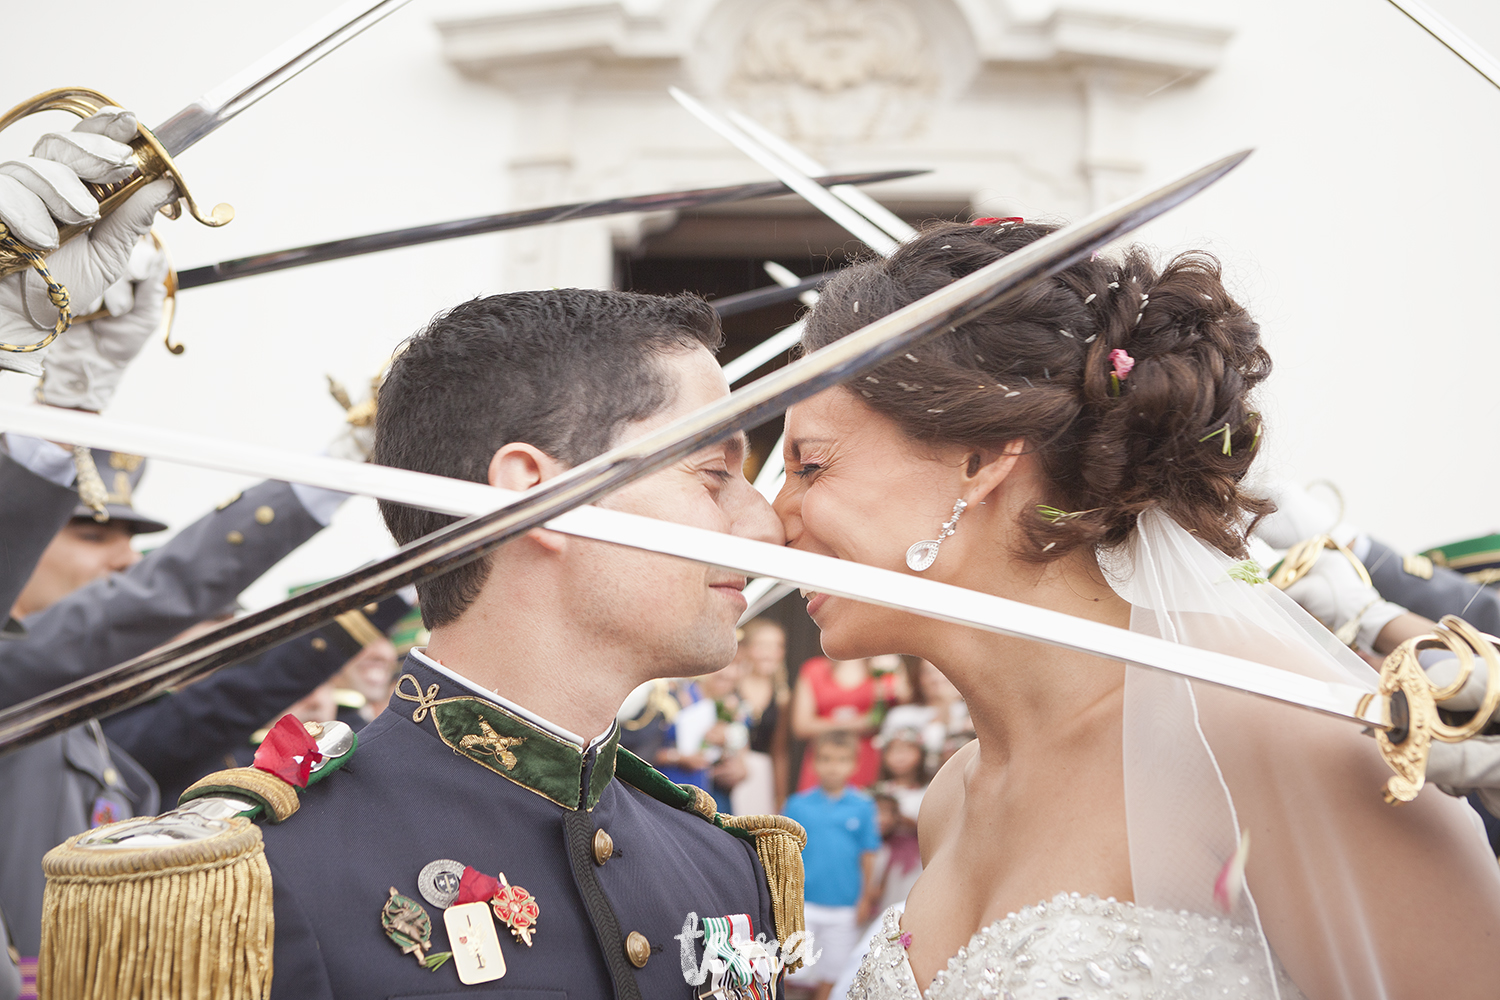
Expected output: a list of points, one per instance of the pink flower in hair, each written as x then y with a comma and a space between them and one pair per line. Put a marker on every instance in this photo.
1122, 362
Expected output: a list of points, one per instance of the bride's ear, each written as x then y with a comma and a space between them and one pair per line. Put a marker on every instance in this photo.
987, 470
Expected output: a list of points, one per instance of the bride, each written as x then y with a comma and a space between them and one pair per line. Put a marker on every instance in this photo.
1113, 831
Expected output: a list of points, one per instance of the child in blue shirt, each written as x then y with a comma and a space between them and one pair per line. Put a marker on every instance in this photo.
843, 835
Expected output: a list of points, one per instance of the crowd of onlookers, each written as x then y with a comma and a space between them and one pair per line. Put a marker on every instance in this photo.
844, 747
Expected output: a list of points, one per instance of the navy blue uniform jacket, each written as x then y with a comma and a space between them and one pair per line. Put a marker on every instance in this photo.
406, 798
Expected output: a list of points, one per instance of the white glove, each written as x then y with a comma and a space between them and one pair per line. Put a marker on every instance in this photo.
1333, 593
1443, 670
45, 187
85, 364
1298, 516
1470, 766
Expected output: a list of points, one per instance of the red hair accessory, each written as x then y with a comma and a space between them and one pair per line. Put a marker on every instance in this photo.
990, 220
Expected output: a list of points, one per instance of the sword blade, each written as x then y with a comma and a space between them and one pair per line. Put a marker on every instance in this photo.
257, 80
863, 229
354, 246
759, 298
1454, 40
771, 563
476, 537
898, 228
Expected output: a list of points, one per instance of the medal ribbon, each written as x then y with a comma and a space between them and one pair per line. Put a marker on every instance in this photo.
476, 887
729, 965
288, 752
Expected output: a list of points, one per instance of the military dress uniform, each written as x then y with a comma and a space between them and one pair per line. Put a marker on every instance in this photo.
67, 783
182, 735
1422, 585
450, 772
32, 511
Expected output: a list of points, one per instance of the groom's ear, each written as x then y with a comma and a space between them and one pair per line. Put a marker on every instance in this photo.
519, 466
987, 469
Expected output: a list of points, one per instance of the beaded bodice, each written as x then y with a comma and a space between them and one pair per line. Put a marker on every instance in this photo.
1082, 947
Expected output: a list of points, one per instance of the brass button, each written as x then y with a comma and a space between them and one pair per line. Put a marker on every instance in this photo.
234, 538
604, 847
264, 515
319, 643
637, 949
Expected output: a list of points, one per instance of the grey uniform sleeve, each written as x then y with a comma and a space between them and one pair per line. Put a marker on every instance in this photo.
32, 511
1447, 592
190, 578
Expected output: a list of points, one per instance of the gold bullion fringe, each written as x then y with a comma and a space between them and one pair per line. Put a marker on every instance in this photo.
192, 921
779, 842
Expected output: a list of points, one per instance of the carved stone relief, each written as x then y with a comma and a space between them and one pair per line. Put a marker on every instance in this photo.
835, 71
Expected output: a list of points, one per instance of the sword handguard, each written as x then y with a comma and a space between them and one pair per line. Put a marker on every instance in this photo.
152, 161
1413, 700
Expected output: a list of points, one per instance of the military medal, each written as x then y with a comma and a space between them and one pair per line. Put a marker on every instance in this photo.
736, 965
476, 946
439, 882
406, 923
517, 909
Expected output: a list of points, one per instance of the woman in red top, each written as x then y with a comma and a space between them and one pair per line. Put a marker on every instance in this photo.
846, 695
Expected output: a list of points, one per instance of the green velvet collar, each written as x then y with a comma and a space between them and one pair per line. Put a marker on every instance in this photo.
507, 744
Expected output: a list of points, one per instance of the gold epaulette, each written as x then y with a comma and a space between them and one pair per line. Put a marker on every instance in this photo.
176, 905
193, 919
779, 841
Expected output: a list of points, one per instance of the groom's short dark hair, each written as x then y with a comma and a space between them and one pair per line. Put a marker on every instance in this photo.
561, 370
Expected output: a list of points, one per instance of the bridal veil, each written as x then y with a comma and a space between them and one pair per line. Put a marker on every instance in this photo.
1354, 897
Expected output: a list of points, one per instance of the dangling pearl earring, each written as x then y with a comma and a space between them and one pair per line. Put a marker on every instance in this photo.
922, 554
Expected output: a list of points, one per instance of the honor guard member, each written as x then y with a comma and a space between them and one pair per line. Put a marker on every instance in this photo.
1453, 579
91, 602
62, 785
1364, 586
490, 837
37, 194
1373, 599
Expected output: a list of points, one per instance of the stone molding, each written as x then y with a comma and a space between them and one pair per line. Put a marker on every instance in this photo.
1040, 113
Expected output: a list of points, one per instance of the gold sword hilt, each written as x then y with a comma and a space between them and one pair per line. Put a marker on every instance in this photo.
151, 158
1414, 702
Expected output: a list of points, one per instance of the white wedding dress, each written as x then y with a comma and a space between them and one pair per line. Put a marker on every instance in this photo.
1202, 764
1082, 948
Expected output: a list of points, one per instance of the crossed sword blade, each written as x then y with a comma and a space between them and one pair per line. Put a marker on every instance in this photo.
1451, 38
480, 534
355, 246
816, 572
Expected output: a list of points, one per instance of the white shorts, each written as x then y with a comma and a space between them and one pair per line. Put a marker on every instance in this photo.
835, 933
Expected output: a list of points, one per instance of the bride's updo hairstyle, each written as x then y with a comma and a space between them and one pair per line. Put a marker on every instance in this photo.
1177, 433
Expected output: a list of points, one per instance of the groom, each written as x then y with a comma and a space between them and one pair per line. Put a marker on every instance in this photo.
499, 750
